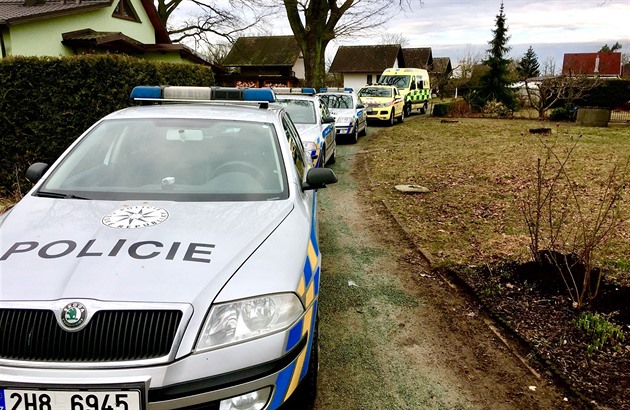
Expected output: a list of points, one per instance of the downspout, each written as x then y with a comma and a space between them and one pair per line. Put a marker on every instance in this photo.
4, 50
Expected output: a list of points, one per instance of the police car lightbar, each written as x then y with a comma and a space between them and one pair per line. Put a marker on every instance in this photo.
180, 93
294, 90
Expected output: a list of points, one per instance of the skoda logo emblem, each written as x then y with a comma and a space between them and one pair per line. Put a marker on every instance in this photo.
73, 315
132, 217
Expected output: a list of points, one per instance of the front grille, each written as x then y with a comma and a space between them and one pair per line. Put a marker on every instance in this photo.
111, 335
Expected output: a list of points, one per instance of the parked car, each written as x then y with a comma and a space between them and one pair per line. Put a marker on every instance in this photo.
314, 122
383, 102
169, 259
349, 112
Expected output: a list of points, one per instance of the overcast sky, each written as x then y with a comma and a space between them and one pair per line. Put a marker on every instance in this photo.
455, 28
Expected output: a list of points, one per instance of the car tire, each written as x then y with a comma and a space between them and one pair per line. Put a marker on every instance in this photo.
402, 117
390, 121
363, 132
407, 110
306, 391
321, 161
354, 137
333, 157
423, 109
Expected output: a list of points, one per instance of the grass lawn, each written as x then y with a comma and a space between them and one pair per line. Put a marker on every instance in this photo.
478, 171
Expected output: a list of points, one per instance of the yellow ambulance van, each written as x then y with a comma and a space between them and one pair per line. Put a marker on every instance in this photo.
413, 84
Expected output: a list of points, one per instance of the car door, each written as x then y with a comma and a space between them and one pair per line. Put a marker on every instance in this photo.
328, 131
361, 113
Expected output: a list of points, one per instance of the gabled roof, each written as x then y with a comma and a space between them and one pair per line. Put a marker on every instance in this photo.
367, 59
602, 64
418, 58
442, 65
14, 12
263, 51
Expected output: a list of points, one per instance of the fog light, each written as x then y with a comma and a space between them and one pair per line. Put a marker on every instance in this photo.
251, 401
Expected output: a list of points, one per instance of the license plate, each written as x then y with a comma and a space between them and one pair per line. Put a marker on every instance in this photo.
11, 399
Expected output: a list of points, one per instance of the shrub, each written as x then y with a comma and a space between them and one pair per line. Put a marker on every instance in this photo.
442, 109
566, 113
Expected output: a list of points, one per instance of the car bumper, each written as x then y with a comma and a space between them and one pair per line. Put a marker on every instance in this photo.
185, 383
348, 129
379, 113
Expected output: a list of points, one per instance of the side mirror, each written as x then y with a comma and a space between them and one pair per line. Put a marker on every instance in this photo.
360, 106
36, 171
328, 120
318, 178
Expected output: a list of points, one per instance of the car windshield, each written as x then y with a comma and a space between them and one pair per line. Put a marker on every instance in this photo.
337, 101
300, 111
375, 92
173, 159
400, 81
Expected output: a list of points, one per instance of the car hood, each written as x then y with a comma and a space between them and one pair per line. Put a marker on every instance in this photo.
343, 112
309, 132
375, 100
180, 252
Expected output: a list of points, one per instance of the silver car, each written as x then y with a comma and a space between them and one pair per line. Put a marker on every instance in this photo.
314, 122
169, 259
349, 113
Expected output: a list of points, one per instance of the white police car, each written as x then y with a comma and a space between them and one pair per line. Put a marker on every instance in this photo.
348, 110
314, 122
169, 259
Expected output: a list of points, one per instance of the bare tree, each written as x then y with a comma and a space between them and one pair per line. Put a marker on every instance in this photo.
542, 95
468, 59
317, 22
314, 23
393, 38
549, 67
211, 20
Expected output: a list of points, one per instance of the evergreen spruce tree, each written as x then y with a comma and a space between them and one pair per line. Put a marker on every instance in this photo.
495, 83
528, 66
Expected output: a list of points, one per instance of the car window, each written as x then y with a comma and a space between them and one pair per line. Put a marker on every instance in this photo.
300, 111
375, 92
173, 159
297, 147
324, 111
337, 101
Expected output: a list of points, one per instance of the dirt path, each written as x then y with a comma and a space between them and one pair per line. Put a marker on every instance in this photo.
395, 336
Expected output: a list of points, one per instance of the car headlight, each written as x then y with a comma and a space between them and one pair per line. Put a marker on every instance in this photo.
311, 148
238, 321
344, 120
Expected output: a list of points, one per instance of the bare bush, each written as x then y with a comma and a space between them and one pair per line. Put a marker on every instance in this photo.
569, 221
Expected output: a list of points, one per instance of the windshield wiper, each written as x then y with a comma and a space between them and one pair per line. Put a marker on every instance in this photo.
46, 194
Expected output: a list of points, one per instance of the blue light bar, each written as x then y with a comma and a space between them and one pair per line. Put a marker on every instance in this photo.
349, 89
146, 91
308, 91
323, 90
259, 94
174, 93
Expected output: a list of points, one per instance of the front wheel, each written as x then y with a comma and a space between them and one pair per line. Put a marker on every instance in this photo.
390, 121
402, 117
333, 157
423, 109
407, 110
354, 137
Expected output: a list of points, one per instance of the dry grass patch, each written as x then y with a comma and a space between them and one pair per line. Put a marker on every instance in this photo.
477, 171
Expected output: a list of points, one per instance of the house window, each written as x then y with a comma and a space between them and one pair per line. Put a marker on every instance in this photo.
369, 79
124, 10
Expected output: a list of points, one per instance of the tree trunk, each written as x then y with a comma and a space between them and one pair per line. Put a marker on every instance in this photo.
314, 61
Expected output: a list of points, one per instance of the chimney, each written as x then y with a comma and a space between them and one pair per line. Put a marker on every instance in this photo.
596, 64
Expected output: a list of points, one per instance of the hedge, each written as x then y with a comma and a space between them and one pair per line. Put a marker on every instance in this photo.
47, 102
